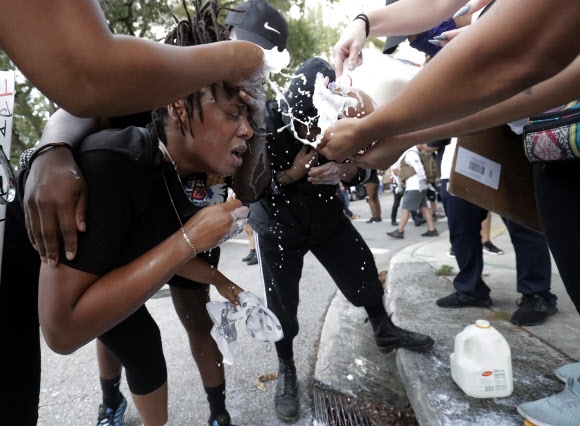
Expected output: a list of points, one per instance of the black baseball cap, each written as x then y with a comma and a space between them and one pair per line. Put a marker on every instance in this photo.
392, 42
299, 94
259, 22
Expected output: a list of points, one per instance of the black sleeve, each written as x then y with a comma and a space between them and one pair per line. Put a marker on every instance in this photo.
114, 201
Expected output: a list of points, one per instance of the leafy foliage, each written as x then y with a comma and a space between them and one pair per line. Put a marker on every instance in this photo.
141, 18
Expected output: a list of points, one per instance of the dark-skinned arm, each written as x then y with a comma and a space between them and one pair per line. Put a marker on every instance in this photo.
200, 271
72, 57
486, 65
542, 97
75, 307
253, 176
55, 195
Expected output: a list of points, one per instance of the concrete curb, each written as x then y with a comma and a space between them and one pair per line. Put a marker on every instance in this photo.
413, 288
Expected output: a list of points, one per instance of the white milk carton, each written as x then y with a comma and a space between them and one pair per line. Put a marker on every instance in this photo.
481, 364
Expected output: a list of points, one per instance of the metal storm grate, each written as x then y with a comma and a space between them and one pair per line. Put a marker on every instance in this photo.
335, 409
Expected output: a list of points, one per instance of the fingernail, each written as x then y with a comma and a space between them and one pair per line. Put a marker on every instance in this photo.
435, 42
70, 255
462, 11
351, 67
51, 262
440, 37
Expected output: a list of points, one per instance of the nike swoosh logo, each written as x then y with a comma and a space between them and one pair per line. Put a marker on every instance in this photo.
268, 27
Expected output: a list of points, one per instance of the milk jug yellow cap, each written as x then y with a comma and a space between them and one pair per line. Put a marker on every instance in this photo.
482, 324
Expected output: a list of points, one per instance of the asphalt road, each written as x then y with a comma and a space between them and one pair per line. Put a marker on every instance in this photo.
70, 392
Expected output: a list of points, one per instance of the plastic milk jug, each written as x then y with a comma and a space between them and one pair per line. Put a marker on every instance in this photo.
380, 76
482, 364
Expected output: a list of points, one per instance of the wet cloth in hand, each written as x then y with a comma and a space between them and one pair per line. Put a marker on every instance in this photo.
261, 323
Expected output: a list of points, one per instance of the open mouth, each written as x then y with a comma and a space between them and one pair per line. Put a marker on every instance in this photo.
239, 151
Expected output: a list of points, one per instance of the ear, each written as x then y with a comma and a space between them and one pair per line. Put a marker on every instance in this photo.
178, 112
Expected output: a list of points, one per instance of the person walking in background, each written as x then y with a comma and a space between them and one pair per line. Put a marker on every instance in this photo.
488, 246
251, 258
372, 189
398, 191
344, 194
412, 174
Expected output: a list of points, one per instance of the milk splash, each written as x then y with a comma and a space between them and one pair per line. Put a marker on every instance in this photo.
330, 103
275, 61
280, 98
330, 99
321, 96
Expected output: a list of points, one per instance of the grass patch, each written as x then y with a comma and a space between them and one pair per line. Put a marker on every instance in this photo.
444, 270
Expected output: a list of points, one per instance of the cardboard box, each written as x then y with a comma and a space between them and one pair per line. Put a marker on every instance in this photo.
490, 169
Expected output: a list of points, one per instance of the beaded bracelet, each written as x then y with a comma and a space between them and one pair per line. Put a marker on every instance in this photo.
365, 18
38, 150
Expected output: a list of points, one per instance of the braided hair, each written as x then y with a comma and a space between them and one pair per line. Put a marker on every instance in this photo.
204, 28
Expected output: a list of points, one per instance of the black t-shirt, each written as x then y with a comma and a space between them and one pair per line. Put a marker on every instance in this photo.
129, 210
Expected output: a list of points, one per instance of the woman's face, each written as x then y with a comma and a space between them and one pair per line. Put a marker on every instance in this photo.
220, 139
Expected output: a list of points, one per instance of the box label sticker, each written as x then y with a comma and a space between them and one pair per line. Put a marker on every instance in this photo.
478, 168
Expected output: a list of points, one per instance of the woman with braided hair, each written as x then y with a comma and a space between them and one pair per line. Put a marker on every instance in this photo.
189, 297
150, 237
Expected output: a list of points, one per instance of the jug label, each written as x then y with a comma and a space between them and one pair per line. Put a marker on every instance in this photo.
491, 381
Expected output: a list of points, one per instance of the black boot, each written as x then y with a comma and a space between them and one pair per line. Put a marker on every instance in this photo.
388, 336
221, 419
251, 254
286, 398
253, 260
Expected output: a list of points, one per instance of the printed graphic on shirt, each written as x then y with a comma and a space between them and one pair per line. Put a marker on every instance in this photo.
203, 190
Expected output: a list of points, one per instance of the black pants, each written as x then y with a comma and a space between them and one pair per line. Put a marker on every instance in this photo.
557, 196
533, 263
135, 341
341, 250
20, 372
397, 197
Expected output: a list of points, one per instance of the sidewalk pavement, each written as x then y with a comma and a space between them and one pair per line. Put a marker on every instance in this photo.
349, 362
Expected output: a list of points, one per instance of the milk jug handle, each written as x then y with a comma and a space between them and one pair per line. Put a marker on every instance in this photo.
460, 341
